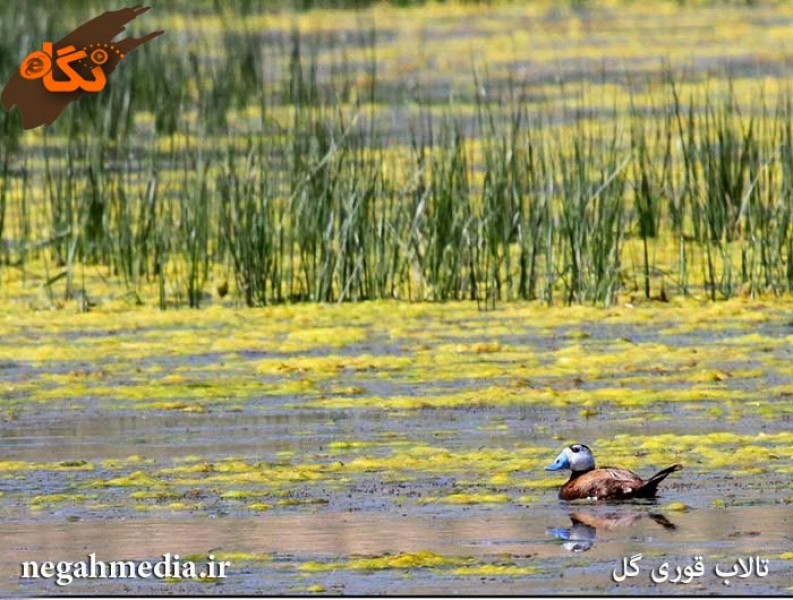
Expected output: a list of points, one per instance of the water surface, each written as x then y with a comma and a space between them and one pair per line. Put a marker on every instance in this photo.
392, 448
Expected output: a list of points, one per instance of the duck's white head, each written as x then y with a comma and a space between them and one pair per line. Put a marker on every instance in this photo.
577, 458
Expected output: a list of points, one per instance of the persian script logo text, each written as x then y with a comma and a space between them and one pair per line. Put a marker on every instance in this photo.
61, 72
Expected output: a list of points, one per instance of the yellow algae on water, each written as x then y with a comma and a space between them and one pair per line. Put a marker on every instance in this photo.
64, 465
709, 376
494, 427
404, 560
347, 445
500, 479
57, 498
154, 495
496, 570
347, 390
330, 365
135, 479
590, 376
237, 494
301, 501
228, 465
313, 565
117, 463
72, 465
314, 337
749, 471
541, 483
241, 556
15, 465
436, 459
468, 499
475, 348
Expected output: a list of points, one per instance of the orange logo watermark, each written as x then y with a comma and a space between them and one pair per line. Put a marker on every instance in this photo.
50, 78
39, 64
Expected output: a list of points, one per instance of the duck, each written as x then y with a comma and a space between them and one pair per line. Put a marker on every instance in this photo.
606, 483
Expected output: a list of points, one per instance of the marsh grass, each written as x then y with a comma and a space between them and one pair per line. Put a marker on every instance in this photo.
295, 186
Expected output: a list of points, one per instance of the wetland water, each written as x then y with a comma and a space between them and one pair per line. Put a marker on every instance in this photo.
389, 447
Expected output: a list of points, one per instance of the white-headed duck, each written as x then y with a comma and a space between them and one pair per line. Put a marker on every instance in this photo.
605, 483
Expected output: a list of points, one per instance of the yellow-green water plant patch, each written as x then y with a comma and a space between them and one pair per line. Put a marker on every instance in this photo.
134, 479
402, 561
62, 498
466, 498
496, 570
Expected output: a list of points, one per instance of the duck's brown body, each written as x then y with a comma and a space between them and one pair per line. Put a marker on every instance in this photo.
609, 483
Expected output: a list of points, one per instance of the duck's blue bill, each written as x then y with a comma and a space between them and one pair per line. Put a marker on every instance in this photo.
560, 533
562, 462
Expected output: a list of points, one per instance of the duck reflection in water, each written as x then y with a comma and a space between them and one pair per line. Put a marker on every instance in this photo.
582, 534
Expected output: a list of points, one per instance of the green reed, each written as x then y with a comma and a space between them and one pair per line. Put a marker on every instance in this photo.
279, 168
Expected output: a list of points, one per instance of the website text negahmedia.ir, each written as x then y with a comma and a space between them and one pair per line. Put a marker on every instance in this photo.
170, 566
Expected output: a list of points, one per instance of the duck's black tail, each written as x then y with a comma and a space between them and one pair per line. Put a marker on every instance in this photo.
651, 485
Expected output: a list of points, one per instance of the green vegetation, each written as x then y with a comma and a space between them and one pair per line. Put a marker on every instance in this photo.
296, 165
